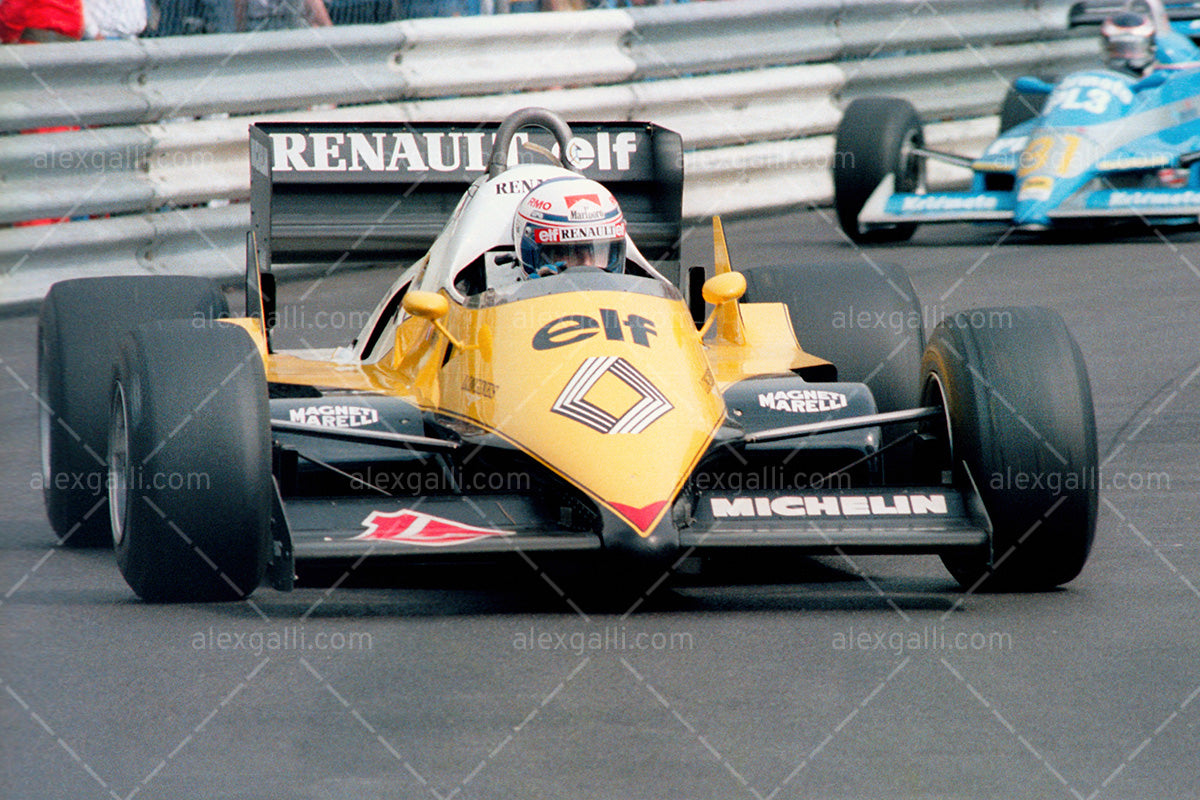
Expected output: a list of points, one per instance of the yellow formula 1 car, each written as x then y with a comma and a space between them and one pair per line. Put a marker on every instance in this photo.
594, 413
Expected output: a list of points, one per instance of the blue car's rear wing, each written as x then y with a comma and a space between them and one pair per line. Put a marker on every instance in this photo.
381, 192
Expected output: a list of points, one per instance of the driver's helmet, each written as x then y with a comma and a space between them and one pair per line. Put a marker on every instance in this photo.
1128, 39
569, 222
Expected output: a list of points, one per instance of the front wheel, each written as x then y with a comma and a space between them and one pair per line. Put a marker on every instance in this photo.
1023, 433
189, 461
876, 137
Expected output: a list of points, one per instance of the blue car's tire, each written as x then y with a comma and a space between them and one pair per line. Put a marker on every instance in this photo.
190, 482
1023, 432
875, 138
80, 326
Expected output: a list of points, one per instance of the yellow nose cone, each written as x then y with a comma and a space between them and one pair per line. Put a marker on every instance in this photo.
609, 390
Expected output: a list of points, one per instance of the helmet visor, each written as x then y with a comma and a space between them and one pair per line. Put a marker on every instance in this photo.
1130, 48
605, 254
1128, 40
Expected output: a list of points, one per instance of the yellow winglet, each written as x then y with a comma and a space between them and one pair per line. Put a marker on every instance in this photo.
727, 318
720, 249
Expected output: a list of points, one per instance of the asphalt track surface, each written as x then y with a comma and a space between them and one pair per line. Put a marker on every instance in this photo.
814, 681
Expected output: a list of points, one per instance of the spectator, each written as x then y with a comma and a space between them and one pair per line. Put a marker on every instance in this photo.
38, 22
418, 9
33, 21
272, 15
114, 19
180, 17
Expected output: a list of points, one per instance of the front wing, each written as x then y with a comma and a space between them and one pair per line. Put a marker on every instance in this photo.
359, 476
886, 207
1130, 204
436, 528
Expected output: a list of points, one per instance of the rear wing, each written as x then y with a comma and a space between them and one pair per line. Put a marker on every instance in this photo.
382, 192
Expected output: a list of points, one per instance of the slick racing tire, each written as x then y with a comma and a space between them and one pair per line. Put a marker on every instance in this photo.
866, 320
1022, 432
80, 326
190, 484
874, 139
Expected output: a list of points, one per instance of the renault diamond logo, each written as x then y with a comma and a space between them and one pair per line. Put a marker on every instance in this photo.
601, 411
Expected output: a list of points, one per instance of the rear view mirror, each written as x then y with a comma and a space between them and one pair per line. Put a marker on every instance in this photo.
426, 305
1154, 79
724, 287
1030, 85
719, 290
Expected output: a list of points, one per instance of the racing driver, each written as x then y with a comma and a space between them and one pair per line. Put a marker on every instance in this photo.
568, 222
1128, 41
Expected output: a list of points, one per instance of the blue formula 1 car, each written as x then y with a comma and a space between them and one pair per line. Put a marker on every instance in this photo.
1101, 144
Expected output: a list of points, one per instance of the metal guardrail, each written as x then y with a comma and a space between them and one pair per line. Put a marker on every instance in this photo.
755, 88
742, 35
122, 82
148, 80
979, 80
194, 241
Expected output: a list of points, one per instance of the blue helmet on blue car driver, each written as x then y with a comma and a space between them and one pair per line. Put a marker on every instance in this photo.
569, 222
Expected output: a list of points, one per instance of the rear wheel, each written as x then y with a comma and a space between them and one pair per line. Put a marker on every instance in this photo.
1020, 107
876, 138
189, 461
80, 326
1023, 432
864, 318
